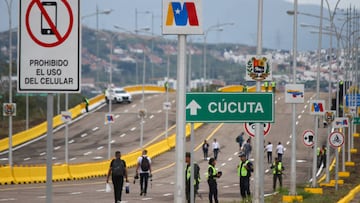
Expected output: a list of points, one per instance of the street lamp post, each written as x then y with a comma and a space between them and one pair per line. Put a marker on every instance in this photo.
217, 27
97, 13
9, 4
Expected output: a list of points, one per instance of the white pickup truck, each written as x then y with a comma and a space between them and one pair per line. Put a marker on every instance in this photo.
117, 95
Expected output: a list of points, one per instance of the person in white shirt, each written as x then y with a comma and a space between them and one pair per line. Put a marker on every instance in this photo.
144, 168
216, 148
280, 151
269, 149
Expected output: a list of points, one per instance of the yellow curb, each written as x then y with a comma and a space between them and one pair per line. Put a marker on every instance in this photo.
314, 190
290, 198
349, 163
353, 151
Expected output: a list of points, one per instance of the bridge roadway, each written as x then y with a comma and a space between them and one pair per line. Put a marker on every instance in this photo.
162, 186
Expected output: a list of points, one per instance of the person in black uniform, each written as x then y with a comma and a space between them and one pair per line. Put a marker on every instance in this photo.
118, 173
188, 177
213, 174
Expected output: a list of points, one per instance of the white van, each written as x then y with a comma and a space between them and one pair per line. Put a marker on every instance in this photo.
117, 95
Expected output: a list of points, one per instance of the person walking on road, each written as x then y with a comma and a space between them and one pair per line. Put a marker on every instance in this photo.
277, 168
244, 169
205, 148
247, 148
144, 169
188, 177
118, 173
216, 148
322, 155
280, 151
269, 149
212, 175
240, 140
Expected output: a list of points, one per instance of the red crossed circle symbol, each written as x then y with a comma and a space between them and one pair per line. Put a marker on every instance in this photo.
60, 39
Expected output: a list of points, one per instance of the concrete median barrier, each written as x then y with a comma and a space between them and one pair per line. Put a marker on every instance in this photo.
6, 176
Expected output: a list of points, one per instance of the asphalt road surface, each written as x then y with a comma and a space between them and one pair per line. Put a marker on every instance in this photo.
162, 184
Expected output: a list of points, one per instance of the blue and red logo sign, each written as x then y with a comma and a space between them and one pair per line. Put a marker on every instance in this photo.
182, 15
317, 107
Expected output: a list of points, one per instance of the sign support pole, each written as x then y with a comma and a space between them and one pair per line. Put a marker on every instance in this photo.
66, 130
49, 147
259, 137
179, 195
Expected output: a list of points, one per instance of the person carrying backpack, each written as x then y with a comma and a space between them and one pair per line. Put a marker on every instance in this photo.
144, 169
118, 173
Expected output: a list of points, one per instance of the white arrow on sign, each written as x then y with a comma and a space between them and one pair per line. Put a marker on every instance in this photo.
193, 106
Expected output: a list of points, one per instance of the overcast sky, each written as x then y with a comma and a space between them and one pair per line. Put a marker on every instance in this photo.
277, 25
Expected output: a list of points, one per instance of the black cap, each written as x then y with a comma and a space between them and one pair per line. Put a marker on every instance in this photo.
242, 154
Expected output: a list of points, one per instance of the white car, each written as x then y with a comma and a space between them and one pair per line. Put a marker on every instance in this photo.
117, 95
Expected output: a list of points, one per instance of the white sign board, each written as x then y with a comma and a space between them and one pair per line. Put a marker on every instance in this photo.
340, 122
109, 118
182, 17
49, 46
294, 93
317, 107
66, 116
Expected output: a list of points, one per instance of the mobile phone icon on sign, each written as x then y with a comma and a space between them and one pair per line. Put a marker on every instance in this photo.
51, 9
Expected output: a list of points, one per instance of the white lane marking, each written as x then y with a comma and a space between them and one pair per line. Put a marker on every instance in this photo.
56, 148
159, 111
71, 141
72, 159
303, 111
126, 111
229, 159
9, 199
101, 190
223, 164
112, 141
98, 157
152, 116
84, 135
167, 194
226, 186
290, 136
299, 116
297, 123
236, 153
305, 107
288, 142
95, 129
147, 198
133, 128
42, 154
173, 101
300, 161
76, 193
4, 159
101, 147
172, 183
26, 159
54, 158
236, 184
122, 135
133, 106
87, 153
41, 197
267, 170
117, 116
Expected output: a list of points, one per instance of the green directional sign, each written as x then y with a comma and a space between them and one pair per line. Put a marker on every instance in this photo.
229, 107
356, 120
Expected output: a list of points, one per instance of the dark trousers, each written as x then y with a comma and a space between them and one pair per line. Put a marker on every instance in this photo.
144, 179
280, 156
269, 157
118, 182
187, 190
205, 153
277, 176
216, 151
244, 186
213, 192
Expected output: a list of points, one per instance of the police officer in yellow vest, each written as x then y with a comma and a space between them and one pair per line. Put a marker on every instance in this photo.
266, 85
188, 177
212, 175
277, 168
244, 168
273, 86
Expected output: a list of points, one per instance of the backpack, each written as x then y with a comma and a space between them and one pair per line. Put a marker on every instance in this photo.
145, 164
118, 168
